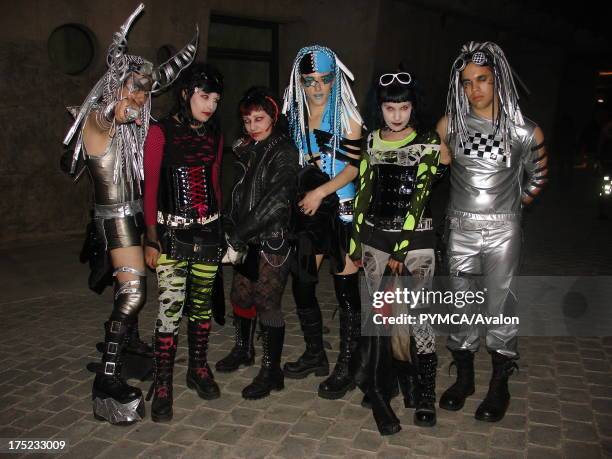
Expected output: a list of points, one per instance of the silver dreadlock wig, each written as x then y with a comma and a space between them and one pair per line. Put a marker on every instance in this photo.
457, 106
342, 103
130, 137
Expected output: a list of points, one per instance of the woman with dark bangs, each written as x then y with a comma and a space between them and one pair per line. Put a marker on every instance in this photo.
393, 235
183, 244
257, 233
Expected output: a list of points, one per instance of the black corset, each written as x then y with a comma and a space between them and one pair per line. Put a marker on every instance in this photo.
392, 190
187, 191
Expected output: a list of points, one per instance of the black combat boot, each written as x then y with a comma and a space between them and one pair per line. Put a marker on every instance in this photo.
347, 293
407, 378
199, 375
454, 397
314, 358
367, 403
386, 420
165, 345
425, 413
270, 376
243, 352
493, 407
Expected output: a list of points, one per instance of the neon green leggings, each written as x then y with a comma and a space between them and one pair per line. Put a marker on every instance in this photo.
182, 282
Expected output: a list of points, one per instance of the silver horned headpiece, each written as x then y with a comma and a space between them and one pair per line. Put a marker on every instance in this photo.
457, 106
130, 137
341, 104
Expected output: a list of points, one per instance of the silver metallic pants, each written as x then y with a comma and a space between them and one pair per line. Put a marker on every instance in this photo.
485, 253
421, 264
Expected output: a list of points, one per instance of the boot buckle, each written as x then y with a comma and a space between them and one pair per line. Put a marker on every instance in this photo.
112, 348
109, 368
115, 326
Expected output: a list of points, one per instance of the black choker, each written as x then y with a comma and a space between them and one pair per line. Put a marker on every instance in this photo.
387, 128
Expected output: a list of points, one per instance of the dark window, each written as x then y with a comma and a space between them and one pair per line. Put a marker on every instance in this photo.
71, 48
246, 53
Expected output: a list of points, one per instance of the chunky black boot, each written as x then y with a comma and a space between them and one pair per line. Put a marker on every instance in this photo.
454, 397
243, 352
199, 375
270, 376
407, 378
493, 407
347, 293
114, 400
134, 344
314, 359
425, 413
375, 375
164, 345
366, 401
385, 418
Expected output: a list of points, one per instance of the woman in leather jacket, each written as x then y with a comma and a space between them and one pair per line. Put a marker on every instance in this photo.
257, 233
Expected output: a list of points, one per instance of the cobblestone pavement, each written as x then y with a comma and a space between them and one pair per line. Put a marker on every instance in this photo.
561, 398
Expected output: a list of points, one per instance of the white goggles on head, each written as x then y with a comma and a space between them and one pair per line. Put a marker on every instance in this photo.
401, 77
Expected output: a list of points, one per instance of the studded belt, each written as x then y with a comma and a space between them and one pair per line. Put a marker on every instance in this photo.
425, 224
176, 221
346, 207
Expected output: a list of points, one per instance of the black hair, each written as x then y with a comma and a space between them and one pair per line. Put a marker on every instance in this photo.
262, 98
397, 92
208, 79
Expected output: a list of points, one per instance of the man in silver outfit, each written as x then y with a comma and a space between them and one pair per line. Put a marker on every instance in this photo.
112, 125
499, 164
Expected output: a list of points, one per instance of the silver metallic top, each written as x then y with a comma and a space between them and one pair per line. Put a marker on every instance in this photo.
107, 190
457, 106
486, 176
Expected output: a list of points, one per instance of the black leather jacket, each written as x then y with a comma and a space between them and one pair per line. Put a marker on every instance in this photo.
264, 189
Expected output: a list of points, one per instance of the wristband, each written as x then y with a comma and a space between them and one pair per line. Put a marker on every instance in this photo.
153, 244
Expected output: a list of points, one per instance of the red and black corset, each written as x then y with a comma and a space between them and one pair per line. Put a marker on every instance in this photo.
185, 185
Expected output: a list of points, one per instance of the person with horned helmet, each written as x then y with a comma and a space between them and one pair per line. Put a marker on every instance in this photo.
112, 125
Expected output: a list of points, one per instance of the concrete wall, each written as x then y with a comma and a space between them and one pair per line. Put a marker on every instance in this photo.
38, 200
